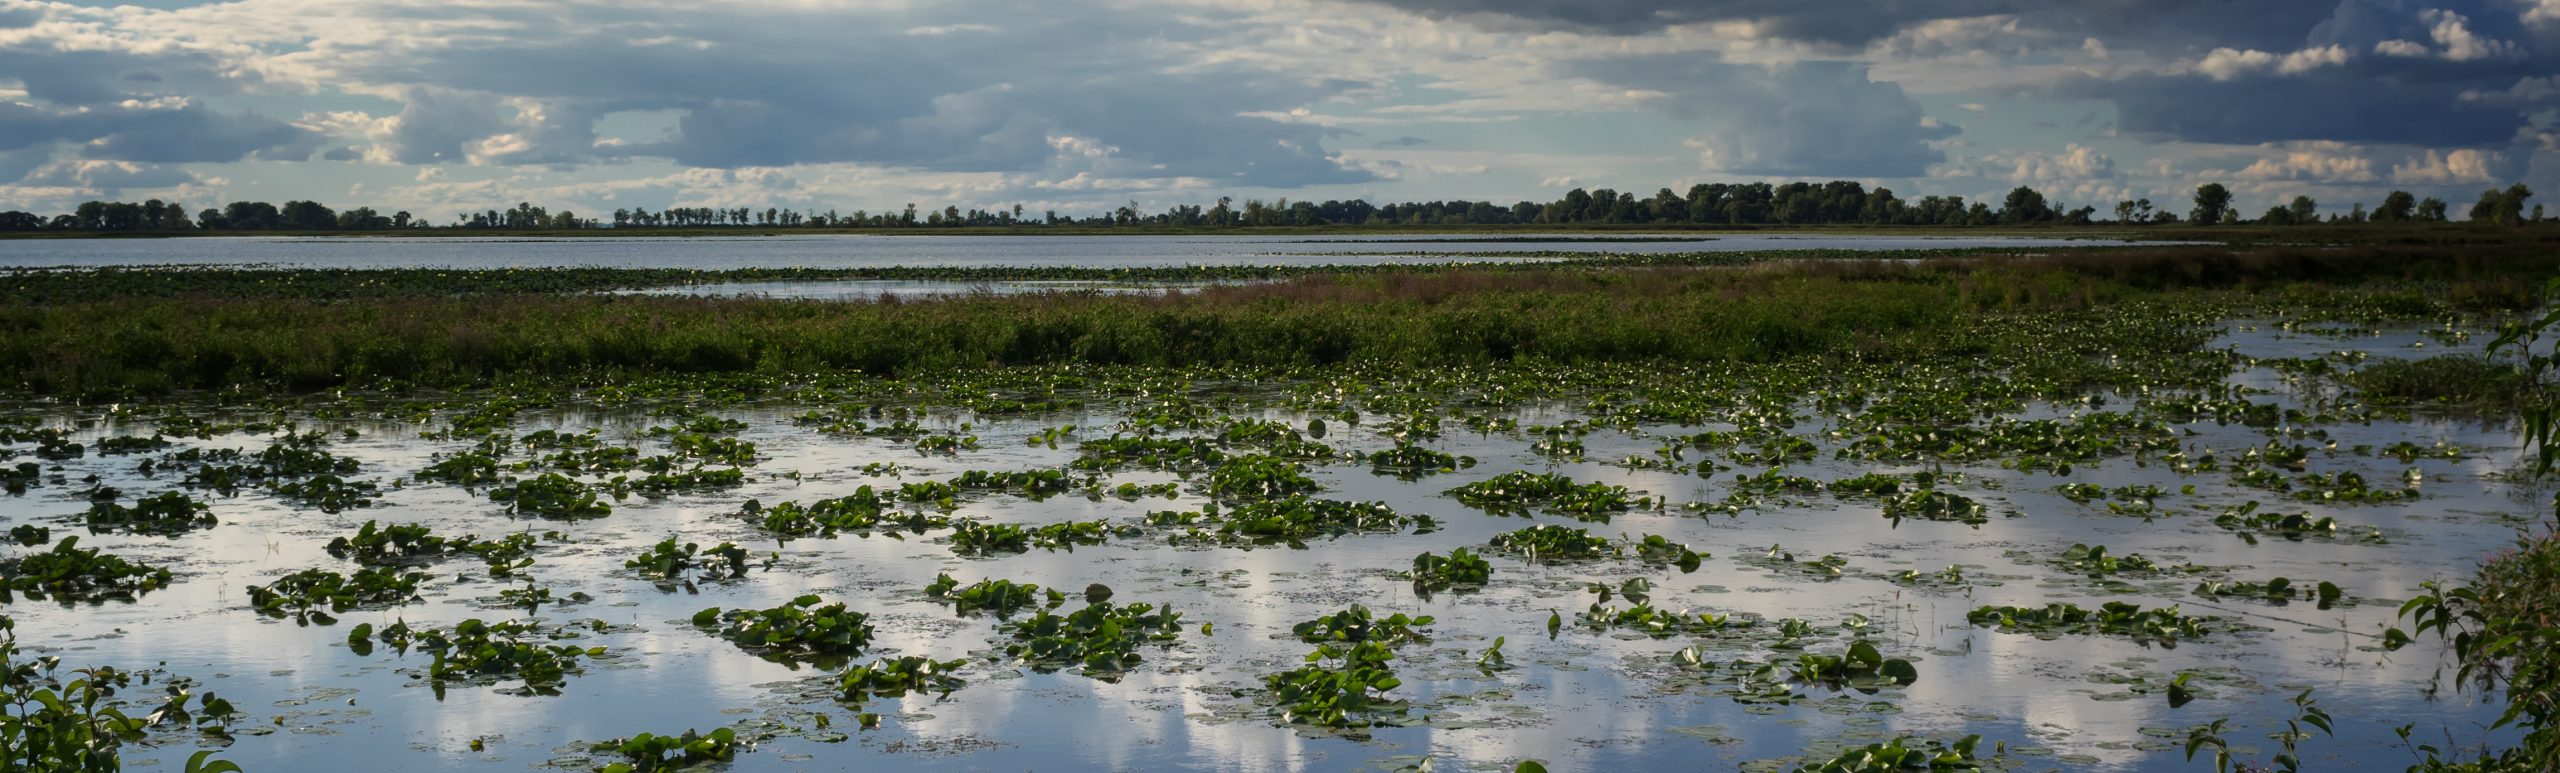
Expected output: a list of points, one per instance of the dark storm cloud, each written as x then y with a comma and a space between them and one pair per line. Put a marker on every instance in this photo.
153, 134
1810, 118
2327, 106
94, 76
2406, 66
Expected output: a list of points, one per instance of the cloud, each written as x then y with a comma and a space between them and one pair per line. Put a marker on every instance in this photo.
2327, 162
1942, 26
911, 86
2452, 32
107, 177
2224, 64
1979, 36
2328, 104
2460, 166
1801, 119
2543, 13
2405, 49
161, 131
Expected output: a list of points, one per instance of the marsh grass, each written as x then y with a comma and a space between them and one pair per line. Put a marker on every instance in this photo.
1892, 310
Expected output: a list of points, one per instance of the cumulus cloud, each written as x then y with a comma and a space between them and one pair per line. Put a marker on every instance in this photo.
2328, 162
2452, 33
1979, 36
2466, 165
2543, 12
2224, 64
2405, 49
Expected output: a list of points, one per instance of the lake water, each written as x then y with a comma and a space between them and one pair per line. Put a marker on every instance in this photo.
1584, 699
842, 251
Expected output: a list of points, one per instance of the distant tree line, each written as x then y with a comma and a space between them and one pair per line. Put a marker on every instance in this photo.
1840, 202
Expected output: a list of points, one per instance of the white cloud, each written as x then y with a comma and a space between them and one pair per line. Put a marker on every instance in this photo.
2224, 64
2327, 162
2466, 165
2075, 169
2543, 12
2405, 49
2453, 32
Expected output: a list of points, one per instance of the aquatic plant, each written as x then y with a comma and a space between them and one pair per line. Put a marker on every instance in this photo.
69, 573
2164, 625
1102, 639
647, 753
974, 538
310, 595
551, 495
476, 652
1412, 462
1356, 624
670, 563
77, 723
1461, 568
1861, 667
1292, 520
861, 512
1550, 543
1903, 753
1253, 477
1341, 686
800, 630
1516, 492
1003, 597
1935, 505
168, 512
895, 677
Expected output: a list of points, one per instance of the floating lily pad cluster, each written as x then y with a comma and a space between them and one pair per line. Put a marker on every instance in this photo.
311, 595
807, 628
70, 573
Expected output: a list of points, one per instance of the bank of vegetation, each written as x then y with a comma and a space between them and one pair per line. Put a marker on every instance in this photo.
367, 329
1707, 205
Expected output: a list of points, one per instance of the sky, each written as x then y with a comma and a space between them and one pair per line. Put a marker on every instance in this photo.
440, 107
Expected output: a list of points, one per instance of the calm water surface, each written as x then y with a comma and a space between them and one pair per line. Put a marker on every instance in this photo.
842, 251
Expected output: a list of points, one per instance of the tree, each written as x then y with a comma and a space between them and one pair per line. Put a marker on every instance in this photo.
2501, 207
2304, 210
2213, 204
2431, 210
251, 215
2399, 207
2024, 205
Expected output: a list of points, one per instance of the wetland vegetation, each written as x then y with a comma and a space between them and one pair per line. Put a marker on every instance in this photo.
2156, 507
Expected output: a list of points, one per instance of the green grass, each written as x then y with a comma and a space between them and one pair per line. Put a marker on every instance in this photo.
143, 342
